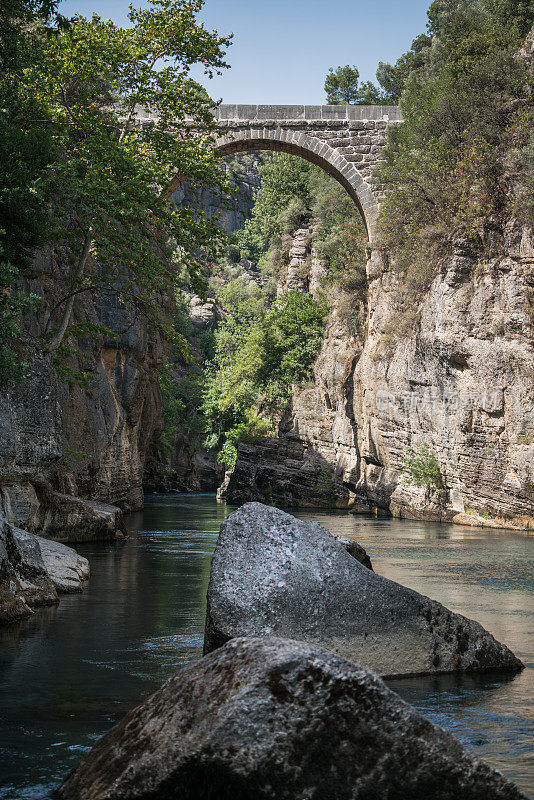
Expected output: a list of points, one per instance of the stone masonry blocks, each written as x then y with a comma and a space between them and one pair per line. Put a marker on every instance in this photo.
345, 148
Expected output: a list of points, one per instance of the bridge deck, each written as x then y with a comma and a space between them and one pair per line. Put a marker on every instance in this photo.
259, 112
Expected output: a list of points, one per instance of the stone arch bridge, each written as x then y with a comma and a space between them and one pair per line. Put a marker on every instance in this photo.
344, 140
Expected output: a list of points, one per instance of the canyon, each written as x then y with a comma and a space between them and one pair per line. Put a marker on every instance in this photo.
455, 371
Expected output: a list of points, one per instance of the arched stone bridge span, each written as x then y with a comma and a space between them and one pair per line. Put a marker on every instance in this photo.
344, 140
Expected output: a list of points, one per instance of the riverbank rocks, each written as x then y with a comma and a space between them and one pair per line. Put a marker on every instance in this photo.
33, 570
24, 579
274, 719
275, 575
67, 569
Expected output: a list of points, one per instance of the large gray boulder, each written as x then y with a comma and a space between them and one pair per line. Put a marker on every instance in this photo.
275, 575
274, 719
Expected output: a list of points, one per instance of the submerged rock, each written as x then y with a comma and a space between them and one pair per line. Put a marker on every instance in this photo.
279, 720
275, 575
355, 550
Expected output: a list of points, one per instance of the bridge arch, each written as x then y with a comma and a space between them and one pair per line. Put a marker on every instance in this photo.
312, 149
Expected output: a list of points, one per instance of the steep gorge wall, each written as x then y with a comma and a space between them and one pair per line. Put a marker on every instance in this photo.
72, 457
70, 454
461, 379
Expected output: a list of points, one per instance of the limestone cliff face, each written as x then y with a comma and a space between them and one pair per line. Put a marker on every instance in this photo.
243, 172
459, 377
69, 455
463, 381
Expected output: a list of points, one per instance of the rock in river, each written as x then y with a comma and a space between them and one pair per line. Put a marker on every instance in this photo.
24, 579
67, 569
275, 575
33, 570
274, 719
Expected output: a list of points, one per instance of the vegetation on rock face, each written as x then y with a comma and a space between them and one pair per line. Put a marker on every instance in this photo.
464, 150
421, 467
264, 347
81, 81
260, 354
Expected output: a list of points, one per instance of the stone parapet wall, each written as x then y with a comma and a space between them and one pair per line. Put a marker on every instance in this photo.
295, 112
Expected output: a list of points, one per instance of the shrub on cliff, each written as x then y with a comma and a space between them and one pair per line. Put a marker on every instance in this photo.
421, 467
465, 105
260, 354
284, 184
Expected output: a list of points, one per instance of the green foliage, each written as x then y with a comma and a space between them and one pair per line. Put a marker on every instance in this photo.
282, 197
421, 467
291, 335
173, 411
260, 353
341, 85
26, 149
392, 77
326, 486
249, 431
87, 78
467, 121
340, 234
265, 346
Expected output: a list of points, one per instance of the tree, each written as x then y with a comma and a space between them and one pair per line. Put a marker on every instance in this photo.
392, 77
113, 176
465, 106
519, 13
341, 85
284, 178
26, 150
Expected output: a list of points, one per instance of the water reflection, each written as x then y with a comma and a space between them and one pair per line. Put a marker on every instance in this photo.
68, 673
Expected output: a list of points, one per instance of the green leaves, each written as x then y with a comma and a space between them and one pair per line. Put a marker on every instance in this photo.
445, 166
112, 177
284, 179
26, 149
260, 354
421, 467
291, 336
341, 85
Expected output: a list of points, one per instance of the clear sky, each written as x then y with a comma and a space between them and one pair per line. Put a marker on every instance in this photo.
283, 48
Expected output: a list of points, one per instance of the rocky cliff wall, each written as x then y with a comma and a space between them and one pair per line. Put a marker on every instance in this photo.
189, 467
456, 373
71, 456
233, 212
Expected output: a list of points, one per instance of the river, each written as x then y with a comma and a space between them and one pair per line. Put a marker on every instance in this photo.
68, 673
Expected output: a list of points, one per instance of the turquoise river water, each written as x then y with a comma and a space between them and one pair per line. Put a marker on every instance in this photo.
69, 673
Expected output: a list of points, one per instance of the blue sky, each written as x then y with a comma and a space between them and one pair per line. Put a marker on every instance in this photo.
283, 48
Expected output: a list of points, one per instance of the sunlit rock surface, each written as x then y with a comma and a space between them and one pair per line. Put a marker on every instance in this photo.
453, 371
275, 575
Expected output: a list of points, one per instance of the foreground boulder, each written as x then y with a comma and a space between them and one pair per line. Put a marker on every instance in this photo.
275, 575
273, 719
